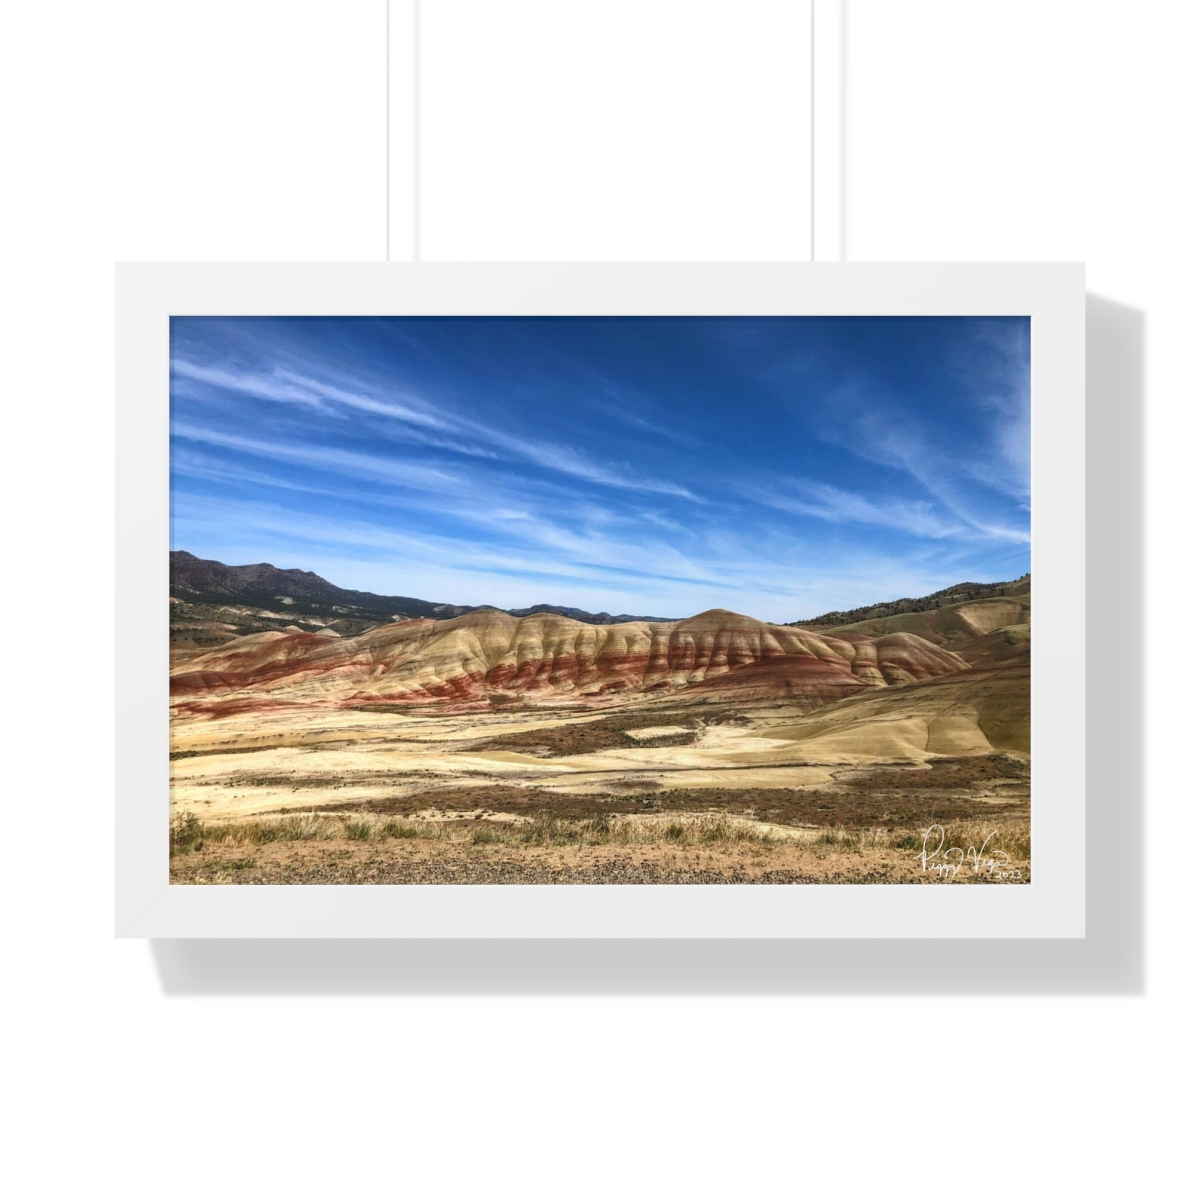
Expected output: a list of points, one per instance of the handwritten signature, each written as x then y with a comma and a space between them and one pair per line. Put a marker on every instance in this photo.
947, 861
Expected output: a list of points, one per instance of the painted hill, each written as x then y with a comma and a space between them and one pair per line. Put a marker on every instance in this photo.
976, 711
955, 595
981, 627
489, 656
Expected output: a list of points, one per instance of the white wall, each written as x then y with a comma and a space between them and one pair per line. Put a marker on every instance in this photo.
608, 129
255, 130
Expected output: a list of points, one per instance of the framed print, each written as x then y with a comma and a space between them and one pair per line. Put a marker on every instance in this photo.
600, 600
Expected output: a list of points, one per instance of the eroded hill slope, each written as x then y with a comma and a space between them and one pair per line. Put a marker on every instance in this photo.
490, 656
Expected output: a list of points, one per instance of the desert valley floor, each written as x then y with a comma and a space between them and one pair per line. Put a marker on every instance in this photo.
493, 748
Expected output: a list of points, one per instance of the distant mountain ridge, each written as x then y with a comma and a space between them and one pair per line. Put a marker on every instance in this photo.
957, 594
304, 593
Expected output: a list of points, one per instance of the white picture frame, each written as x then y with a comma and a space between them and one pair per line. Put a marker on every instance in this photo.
1052, 906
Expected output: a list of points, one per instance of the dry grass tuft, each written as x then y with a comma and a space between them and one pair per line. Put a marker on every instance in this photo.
402, 829
841, 839
545, 828
549, 829
189, 833
1011, 837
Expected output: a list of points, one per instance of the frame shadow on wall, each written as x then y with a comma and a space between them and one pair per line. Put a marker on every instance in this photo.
1110, 960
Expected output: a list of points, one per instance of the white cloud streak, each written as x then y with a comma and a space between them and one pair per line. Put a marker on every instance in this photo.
428, 427
324, 458
841, 507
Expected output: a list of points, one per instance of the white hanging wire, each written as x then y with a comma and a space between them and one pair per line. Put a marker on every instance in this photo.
387, 130
416, 129
812, 131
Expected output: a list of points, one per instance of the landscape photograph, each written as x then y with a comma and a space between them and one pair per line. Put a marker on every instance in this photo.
600, 600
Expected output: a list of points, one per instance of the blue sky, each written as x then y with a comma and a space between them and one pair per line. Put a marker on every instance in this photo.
780, 467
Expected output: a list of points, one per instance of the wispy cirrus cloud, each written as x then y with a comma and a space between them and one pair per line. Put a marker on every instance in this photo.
262, 387
410, 411
941, 475
841, 507
521, 550
995, 363
323, 458
973, 490
287, 387
511, 511
516, 570
291, 387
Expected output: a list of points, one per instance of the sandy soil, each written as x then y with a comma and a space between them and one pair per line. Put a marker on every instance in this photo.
247, 764
873, 766
406, 862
